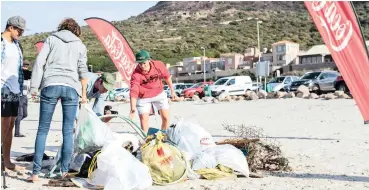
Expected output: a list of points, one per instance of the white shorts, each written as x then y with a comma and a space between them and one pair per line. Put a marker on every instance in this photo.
160, 102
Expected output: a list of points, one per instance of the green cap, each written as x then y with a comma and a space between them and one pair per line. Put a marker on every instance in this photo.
108, 81
142, 56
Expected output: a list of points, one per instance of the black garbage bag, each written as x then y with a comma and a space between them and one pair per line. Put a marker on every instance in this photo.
83, 173
29, 157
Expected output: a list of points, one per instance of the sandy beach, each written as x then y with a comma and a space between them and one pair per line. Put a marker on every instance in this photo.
325, 141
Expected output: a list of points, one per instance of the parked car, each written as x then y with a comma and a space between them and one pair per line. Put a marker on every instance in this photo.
178, 88
280, 83
124, 93
318, 82
234, 85
340, 84
196, 89
256, 86
188, 85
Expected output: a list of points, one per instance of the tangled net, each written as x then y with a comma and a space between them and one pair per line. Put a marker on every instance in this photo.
263, 153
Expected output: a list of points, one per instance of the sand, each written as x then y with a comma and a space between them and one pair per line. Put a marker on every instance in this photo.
325, 141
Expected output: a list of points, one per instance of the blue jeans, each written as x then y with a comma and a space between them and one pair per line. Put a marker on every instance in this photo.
49, 98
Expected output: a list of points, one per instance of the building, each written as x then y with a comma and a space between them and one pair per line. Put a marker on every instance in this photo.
232, 60
316, 54
285, 53
251, 56
192, 66
213, 64
267, 57
175, 70
190, 59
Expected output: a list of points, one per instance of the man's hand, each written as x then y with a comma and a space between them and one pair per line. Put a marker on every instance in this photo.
174, 95
132, 113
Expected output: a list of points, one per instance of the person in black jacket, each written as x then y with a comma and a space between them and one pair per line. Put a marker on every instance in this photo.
23, 100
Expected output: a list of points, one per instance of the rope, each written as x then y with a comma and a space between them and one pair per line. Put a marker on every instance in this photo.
93, 164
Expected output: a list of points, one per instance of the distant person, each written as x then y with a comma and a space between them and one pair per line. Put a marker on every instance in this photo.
23, 100
11, 83
60, 72
97, 86
147, 89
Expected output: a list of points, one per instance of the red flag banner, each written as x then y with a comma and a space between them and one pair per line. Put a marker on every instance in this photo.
116, 45
39, 45
337, 24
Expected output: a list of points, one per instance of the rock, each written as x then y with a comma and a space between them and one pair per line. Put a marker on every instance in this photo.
330, 96
207, 99
233, 97
228, 99
289, 95
302, 95
262, 94
313, 96
303, 89
280, 94
222, 96
253, 97
188, 99
322, 96
238, 98
339, 93
248, 93
271, 95
195, 98
344, 96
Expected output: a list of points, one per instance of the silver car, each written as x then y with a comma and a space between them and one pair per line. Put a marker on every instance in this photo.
318, 82
281, 82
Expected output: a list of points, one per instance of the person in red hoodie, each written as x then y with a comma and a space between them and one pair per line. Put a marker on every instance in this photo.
147, 89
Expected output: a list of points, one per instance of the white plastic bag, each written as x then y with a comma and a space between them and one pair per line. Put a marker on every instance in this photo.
119, 169
77, 162
91, 133
230, 156
204, 160
190, 138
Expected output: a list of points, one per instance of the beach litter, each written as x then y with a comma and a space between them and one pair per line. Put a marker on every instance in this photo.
185, 151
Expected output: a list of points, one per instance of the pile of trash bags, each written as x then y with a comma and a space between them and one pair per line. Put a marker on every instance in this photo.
205, 156
186, 151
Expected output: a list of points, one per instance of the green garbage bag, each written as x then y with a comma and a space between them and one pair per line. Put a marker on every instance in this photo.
91, 133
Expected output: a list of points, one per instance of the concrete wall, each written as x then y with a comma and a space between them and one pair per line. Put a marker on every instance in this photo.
308, 67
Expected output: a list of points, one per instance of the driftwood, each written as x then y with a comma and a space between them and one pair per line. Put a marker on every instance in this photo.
238, 142
60, 183
263, 153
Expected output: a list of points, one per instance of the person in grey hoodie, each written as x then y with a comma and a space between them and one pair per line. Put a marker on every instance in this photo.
60, 72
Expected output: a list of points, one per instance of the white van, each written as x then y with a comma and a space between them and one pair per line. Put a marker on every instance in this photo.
234, 85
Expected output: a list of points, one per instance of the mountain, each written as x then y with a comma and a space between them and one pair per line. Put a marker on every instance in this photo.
172, 30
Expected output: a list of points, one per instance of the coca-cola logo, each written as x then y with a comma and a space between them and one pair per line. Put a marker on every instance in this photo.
338, 31
115, 47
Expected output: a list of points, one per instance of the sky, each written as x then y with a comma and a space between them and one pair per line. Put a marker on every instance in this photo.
46, 16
